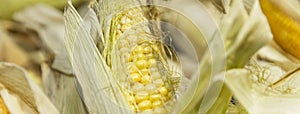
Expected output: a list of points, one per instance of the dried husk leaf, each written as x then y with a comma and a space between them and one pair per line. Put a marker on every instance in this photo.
62, 91
50, 27
59, 83
21, 94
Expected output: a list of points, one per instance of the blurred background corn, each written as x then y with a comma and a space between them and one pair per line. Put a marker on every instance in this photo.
144, 73
8, 7
285, 29
3, 108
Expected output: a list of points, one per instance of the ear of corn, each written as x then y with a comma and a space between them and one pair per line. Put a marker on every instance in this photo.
285, 29
132, 72
139, 63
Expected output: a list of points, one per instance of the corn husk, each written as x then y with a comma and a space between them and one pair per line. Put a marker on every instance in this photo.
19, 47
20, 94
57, 77
92, 74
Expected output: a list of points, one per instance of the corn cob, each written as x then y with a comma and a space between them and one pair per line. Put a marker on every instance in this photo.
140, 63
3, 108
286, 30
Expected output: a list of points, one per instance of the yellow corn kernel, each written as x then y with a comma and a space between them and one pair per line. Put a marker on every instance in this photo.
147, 50
136, 77
141, 64
155, 97
137, 87
145, 105
159, 82
149, 56
140, 56
146, 79
157, 103
145, 72
150, 88
163, 91
138, 49
141, 96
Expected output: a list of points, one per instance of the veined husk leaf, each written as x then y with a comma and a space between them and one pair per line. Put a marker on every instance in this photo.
20, 94
99, 89
252, 90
